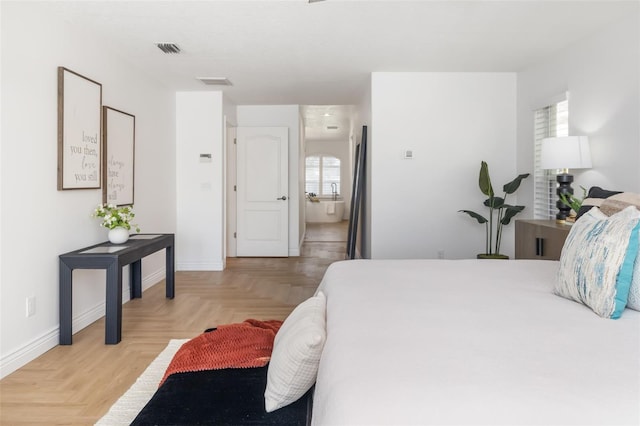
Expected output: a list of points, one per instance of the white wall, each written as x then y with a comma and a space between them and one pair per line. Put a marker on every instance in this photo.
601, 74
200, 129
39, 222
339, 149
451, 121
283, 116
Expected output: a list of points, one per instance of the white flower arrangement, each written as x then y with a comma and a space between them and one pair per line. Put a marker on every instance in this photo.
113, 216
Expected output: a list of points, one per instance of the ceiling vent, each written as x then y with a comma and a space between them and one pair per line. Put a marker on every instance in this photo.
332, 127
168, 47
215, 81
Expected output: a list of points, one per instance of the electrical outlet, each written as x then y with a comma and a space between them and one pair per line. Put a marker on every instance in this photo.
441, 254
31, 306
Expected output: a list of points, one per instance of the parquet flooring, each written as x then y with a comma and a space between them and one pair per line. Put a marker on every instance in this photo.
76, 385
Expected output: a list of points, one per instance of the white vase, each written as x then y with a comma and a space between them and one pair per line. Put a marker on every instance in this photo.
118, 235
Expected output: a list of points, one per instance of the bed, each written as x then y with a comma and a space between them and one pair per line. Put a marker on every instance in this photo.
455, 342
517, 342
433, 342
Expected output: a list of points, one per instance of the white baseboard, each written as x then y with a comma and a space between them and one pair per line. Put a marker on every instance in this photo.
294, 252
32, 350
87, 318
153, 278
199, 266
36, 347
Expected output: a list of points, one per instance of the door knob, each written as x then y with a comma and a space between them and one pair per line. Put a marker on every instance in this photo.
283, 198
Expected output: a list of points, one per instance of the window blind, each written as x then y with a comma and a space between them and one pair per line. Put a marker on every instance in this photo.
321, 172
330, 174
549, 121
312, 182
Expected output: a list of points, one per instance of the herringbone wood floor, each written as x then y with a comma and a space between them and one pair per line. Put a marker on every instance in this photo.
76, 385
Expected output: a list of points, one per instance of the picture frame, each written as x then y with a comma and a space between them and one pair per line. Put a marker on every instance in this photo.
118, 138
79, 129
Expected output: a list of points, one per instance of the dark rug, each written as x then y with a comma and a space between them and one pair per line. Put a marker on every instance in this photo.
233, 396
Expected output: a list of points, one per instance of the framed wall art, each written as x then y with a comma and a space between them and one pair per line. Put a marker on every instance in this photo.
79, 125
118, 136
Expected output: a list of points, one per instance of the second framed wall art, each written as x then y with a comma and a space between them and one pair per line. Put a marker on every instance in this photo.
119, 156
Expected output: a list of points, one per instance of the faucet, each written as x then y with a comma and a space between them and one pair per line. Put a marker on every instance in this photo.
334, 191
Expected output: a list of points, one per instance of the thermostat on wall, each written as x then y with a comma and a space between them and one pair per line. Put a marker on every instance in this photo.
205, 158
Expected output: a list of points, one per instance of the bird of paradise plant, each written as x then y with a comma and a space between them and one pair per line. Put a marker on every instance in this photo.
499, 211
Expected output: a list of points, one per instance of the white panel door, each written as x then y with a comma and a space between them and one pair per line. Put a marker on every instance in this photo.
263, 196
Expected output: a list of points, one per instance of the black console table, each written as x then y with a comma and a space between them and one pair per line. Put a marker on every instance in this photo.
112, 258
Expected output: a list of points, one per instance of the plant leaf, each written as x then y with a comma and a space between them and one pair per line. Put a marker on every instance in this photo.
484, 180
572, 201
476, 216
513, 186
498, 202
510, 212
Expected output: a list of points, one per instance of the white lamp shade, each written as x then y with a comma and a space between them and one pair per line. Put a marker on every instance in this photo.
569, 152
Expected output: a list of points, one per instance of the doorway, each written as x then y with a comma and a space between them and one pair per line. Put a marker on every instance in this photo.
329, 157
330, 126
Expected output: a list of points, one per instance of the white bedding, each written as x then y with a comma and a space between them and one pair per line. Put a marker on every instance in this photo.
439, 342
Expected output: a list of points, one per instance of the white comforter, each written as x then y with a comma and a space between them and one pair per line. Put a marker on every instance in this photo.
438, 342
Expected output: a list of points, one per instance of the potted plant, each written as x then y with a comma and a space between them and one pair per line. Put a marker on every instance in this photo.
574, 202
117, 220
499, 211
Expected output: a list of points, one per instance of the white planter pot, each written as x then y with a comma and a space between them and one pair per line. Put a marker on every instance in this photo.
118, 235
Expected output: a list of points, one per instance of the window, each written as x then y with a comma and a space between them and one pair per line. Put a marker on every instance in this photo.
321, 172
550, 121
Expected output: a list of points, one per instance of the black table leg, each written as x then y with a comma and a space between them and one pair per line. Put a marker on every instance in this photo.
170, 273
113, 323
136, 279
65, 280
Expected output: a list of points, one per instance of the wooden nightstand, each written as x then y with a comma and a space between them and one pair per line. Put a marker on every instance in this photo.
540, 239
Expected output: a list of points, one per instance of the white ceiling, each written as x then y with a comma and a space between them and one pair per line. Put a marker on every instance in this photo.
321, 122
293, 52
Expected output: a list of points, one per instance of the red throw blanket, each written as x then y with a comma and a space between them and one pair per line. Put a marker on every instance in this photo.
243, 345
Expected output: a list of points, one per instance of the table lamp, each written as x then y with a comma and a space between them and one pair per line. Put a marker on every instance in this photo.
564, 153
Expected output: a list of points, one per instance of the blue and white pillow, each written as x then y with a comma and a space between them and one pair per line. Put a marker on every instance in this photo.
634, 291
597, 261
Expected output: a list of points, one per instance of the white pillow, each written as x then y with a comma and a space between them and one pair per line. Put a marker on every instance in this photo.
296, 353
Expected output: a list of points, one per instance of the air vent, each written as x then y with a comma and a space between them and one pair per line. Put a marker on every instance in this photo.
332, 127
215, 81
168, 47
